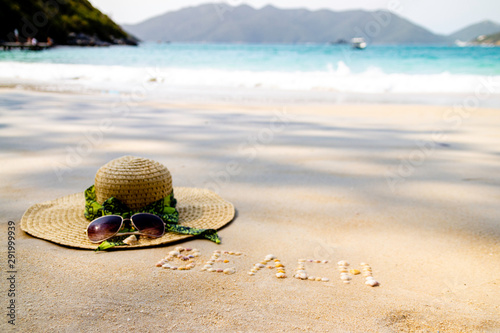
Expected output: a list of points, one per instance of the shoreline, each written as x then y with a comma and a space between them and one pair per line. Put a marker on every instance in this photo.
314, 181
252, 96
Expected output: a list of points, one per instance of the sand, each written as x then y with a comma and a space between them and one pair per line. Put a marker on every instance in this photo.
411, 190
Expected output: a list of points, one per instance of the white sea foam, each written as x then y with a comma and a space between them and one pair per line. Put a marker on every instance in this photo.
337, 78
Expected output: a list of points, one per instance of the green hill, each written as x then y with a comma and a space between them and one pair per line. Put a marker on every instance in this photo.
493, 39
56, 19
472, 31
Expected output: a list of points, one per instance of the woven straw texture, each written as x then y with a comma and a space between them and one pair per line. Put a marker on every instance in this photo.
134, 181
62, 221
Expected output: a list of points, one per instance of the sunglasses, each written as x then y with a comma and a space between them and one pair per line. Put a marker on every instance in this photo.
108, 226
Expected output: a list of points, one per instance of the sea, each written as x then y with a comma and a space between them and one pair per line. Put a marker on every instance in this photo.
318, 73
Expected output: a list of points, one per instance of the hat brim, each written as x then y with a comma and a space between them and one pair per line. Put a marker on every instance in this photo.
62, 221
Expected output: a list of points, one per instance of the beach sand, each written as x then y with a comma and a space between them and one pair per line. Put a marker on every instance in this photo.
411, 190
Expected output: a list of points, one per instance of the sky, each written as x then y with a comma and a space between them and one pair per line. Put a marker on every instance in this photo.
439, 16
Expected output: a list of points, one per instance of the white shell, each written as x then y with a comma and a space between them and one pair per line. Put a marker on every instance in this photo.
130, 240
280, 275
311, 278
251, 273
325, 279
270, 257
230, 271
372, 283
346, 278
166, 266
343, 263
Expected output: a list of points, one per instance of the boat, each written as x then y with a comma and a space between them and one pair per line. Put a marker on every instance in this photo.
358, 43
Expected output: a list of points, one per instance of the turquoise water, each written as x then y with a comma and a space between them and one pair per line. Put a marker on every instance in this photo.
281, 58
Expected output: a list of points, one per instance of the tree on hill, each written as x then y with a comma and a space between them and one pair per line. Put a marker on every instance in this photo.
55, 19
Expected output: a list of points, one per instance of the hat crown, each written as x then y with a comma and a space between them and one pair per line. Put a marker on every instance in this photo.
134, 181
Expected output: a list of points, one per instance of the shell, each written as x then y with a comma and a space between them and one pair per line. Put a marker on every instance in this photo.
131, 240
343, 263
251, 273
230, 271
355, 271
318, 279
372, 283
346, 278
325, 279
312, 278
280, 275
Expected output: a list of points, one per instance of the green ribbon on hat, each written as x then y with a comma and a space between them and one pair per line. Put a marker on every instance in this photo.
163, 208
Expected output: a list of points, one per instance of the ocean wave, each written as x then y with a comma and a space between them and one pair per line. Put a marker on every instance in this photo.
336, 78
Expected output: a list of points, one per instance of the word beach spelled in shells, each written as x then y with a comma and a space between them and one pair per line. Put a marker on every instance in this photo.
187, 261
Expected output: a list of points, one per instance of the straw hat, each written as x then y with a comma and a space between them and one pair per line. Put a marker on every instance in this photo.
136, 182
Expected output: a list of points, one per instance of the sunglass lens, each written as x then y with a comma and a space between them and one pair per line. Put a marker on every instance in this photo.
104, 227
149, 224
